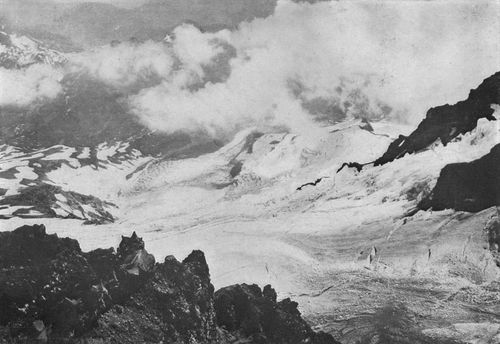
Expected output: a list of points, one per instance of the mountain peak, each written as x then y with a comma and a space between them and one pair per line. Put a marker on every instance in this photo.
447, 122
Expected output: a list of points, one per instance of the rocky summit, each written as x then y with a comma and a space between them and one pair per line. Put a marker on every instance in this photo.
249, 312
52, 292
447, 122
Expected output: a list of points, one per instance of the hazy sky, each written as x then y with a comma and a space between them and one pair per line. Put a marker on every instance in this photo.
123, 3
120, 3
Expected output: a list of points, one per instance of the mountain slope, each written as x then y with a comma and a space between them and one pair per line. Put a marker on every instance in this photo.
65, 182
446, 122
274, 206
90, 24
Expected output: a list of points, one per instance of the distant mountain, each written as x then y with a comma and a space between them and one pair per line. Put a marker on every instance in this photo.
86, 130
207, 14
91, 23
86, 113
22, 51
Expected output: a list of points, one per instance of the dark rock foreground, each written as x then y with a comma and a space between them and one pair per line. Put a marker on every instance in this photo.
52, 292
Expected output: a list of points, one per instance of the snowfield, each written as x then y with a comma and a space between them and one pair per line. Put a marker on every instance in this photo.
67, 170
344, 248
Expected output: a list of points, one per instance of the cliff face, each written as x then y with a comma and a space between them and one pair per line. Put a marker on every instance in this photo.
446, 122
51, 291
472, 186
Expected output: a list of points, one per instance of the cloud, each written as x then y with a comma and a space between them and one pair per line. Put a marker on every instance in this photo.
308, 61
195, 48
23, 87
356, 58
186, 60
126, 63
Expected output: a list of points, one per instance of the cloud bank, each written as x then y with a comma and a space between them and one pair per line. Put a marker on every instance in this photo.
354, 58
307, 61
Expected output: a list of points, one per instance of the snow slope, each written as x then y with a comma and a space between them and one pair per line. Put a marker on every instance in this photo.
65, 182
344, 248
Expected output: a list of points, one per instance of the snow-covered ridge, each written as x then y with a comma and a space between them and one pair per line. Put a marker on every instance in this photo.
261, 175
257, 169
273, 155
62, 181
405, 181
265, 156
21, 51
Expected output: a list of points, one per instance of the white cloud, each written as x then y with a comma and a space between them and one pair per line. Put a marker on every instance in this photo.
23, 87
126, 63
410, 56
195, 48
355, 57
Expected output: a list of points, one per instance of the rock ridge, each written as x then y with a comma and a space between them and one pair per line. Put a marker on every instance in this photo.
52, 292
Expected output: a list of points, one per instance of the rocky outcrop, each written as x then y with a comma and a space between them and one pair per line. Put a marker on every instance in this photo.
50, 289
493, 231
47, 200
314, 183
446, 122
254, 316
355, 165
175, 305
471, 186
52, 292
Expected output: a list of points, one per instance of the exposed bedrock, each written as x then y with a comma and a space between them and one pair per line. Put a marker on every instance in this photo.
43, 200
471, 186
52, 292
246, 311
446, 122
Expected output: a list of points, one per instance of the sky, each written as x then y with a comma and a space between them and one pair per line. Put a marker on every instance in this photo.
121, 3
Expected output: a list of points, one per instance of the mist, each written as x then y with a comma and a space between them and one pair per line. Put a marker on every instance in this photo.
365, 60
305, 66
